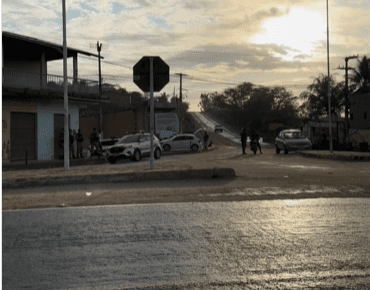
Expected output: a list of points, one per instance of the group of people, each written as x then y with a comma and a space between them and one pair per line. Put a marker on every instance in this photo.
79, 138
71, 141
254, 137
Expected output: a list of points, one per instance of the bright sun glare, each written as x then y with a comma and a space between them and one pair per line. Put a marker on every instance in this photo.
300, 30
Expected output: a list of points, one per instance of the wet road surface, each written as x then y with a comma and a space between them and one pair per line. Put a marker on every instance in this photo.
279, 244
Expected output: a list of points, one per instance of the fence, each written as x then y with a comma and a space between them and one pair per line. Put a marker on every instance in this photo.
22, 79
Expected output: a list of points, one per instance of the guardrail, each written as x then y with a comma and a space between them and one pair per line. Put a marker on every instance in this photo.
22, 79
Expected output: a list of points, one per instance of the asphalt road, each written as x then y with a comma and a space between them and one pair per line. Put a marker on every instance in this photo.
281, 244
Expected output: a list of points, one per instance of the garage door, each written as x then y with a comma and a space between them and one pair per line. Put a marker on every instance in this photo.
22, 136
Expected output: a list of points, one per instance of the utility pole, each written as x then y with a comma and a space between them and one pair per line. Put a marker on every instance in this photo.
98, 46
346, 68
180, 107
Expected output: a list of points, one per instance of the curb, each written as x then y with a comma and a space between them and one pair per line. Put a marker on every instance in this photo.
125, 177
53, 164
335, 157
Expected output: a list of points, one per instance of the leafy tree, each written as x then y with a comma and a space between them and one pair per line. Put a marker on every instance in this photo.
361, 75
316, 97
163, 98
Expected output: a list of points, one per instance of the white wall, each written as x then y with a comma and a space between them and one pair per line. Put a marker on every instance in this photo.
45, 126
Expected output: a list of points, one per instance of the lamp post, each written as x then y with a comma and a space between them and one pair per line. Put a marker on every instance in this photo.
329, 93
66, 131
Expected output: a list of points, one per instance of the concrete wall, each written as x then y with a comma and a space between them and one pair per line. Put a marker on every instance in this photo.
45, 126
22, 74
26, 66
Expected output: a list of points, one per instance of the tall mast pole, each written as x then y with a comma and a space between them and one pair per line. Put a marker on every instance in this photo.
66, 129
329, 92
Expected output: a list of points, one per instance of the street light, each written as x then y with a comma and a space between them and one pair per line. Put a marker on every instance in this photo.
329, 93
66, 126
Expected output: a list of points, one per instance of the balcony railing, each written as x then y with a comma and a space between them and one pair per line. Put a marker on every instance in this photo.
27, 80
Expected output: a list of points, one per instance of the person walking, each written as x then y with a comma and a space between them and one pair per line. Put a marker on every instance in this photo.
205, 140
243, 139
79, 139
71, 145
61, 144
94, 142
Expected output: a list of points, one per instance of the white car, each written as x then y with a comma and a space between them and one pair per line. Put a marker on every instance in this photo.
219, 128
291, 140
182, 142
134, 147
106, 143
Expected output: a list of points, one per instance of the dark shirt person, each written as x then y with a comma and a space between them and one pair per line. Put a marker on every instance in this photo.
94, 142
205, 140
79, 139
71, 145
256, 137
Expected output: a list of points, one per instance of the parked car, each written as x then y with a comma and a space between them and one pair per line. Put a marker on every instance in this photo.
168, 137
219, 128
106, 143
133, 146
182, 142
291, 140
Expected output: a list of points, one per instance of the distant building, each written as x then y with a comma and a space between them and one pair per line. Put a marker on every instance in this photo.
359, 118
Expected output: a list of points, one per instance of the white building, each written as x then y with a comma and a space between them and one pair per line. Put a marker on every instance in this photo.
32, 99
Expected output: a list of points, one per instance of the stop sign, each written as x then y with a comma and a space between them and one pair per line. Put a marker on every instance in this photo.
161, 73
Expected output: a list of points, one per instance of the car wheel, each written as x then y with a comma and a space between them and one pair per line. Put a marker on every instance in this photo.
285, 150
136, 156
157, 153
277, 149
194, 147
112, 160
166, 147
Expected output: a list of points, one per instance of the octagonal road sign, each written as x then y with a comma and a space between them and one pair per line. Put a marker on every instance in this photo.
161, 73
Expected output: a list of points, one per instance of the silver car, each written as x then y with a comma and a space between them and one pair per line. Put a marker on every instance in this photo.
291, 140
182, 142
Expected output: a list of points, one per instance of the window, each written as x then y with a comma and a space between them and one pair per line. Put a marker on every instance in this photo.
365, 115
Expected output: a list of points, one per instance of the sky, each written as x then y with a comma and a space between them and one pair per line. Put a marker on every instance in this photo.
215, 44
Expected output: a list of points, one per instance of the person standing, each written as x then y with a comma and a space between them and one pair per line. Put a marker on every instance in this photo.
61, 144
79, 139
243, 139
94, 142
71, 145
205, 140
100, 138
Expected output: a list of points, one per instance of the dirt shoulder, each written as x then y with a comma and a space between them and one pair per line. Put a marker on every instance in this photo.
258, 177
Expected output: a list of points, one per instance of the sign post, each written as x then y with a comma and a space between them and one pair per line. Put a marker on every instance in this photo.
151, 114
151, 73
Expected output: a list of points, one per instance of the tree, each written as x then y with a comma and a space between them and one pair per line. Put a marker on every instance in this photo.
361, 75
205, 103
163, 98
316, 97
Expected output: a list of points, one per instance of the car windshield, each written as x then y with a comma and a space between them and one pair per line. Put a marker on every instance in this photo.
109, 142
129, 139
294, 135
